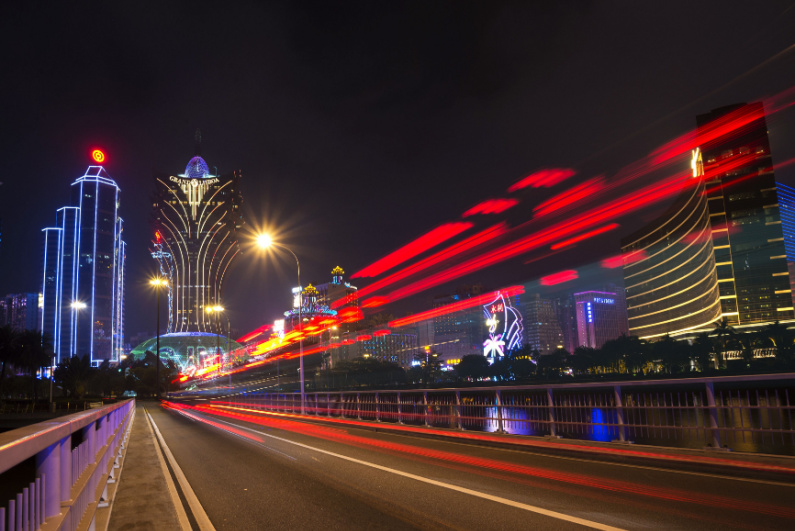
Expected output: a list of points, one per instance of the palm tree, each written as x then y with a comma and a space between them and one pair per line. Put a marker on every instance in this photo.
723, 333
782, 339
702, 351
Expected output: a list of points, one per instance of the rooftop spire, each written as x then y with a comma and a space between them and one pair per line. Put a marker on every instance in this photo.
197, 137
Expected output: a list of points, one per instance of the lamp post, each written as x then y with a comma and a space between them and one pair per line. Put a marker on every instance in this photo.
265, 241
216, 309
158, 283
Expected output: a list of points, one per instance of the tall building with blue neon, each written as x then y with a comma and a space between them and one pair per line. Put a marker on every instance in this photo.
197, 216
83, 276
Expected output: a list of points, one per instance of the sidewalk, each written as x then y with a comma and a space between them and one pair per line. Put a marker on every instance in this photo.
143, 500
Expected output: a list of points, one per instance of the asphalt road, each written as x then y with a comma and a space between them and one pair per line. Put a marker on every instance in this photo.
251, 471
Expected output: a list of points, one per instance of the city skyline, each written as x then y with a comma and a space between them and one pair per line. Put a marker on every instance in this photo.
340, 179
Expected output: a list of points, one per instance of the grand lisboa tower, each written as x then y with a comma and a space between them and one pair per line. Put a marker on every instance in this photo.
197, 219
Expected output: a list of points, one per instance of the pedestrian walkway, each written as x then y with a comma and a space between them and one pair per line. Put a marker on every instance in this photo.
145, 499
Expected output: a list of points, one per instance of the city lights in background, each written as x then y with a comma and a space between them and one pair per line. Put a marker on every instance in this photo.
565, 215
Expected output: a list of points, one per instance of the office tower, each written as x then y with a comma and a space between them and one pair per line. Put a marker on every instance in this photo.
20, 311
459, 333
197, 215
599, 318
83, 286
542, 325
750, 257
673, 286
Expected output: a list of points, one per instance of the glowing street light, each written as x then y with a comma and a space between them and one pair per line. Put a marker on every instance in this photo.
216, 309
158, 283
264, 241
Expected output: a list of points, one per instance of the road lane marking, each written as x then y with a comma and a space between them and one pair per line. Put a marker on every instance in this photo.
196, 508
449, 486
522, 450
182, 516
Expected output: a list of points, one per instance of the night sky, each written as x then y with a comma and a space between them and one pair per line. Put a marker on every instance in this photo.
358, 126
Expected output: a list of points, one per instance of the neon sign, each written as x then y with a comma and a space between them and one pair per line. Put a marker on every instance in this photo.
98, 155
602, 300
505, 328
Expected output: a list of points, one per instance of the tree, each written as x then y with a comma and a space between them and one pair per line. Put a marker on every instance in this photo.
584, 359
782, 339
523, 362
472, 367
35, 352
73, 375
674, 355
370, 371
701, 351
723, 333
9, 351
430, 364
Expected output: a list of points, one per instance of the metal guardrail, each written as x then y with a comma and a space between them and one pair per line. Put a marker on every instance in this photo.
75, 458
746, 413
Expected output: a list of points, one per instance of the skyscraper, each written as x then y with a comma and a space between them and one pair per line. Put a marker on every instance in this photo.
726, 261
20, 311
196, 218
83, 282
600, 317
671, 283
541, 325
750, 257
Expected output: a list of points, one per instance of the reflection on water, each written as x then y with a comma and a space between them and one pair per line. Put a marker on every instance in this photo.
662, 427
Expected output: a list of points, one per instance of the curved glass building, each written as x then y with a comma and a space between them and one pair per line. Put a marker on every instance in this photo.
197, 215
672, 283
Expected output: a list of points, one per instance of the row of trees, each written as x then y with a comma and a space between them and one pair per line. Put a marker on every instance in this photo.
707, 353
23, 355
27, 351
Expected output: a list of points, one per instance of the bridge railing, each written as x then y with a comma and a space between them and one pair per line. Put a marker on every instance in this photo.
74, 458
746, 413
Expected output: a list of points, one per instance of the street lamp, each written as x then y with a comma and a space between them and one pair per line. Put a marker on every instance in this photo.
216, 309
158, 283
264, 241
77, 306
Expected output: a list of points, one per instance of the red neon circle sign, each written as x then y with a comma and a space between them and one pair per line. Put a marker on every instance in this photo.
98, 155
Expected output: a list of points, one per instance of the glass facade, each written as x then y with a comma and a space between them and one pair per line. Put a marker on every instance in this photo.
750, 256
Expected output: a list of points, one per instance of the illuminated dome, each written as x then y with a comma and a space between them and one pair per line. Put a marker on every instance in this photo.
197, 169
186, 348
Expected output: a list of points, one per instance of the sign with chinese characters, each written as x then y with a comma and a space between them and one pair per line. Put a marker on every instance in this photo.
505, 327
602, 300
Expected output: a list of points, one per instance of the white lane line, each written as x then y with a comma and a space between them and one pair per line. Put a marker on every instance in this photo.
196, 508
463, 490
182, 516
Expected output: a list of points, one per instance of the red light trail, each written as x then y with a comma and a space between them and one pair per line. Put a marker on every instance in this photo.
491, 206
543, 178
479, 465
455, 307
584, 236
418, 246
559, 278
